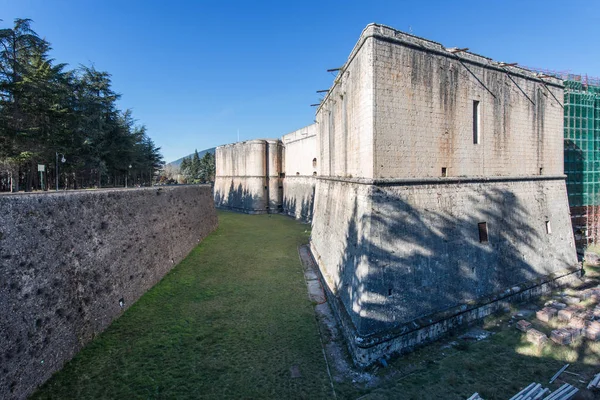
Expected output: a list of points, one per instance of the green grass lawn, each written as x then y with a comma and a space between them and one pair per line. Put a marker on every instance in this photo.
227, 322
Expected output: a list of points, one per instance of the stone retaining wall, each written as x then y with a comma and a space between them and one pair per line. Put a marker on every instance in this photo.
72, 262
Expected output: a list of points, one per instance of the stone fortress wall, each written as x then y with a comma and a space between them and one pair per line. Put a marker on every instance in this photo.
301, 167
269, 175
71, 262
249, 176
439, 191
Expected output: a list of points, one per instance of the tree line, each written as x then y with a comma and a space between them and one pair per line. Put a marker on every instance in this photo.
198, 170
52, 116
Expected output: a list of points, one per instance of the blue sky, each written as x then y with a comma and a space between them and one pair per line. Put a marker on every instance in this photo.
194, 72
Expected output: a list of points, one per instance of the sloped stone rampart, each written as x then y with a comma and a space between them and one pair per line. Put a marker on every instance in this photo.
72, 262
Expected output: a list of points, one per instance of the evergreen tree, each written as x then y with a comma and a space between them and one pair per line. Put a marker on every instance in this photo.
207, 168
46, 110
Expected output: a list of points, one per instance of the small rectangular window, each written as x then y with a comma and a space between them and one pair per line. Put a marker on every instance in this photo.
548, 228
444, 172
476, 127
541, 171
483, 232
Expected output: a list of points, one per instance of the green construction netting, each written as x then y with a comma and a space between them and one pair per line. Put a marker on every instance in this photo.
582, 143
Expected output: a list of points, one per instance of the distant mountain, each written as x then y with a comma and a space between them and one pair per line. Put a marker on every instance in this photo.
201, 154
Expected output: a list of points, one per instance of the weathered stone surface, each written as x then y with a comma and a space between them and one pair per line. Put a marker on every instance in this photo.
396, 240
546, 314
299, 196
586, 294
536, 337
67, 259
301, 166
567, 313
561, 336
523, 325
592, 330
591, 259
577, 322
248, 176
571, 300
574, 332
559, 306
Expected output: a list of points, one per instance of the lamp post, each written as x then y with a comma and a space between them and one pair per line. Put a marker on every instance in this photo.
62, 160
127, 176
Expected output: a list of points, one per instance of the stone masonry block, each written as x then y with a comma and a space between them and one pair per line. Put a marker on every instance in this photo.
546, 314
571, 300
561, 336
575, 332
523, 325
577, 322
536, 337
568, 313
586, 294
592, 330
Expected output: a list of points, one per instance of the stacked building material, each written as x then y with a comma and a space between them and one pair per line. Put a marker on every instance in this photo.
546, 314
568, 313
536, 337
594, 383
534, 391
475, 396
592, 330
565, 392
561, 336
524, 325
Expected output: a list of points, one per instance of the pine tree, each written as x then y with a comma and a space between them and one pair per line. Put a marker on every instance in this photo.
46, 110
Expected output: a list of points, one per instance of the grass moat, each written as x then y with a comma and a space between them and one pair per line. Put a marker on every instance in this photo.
233, 320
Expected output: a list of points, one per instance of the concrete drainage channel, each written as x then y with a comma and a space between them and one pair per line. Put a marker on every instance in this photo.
339, 363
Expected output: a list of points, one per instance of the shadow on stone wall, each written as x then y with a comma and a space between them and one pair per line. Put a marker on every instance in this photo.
302, 211
432, 261
239, 198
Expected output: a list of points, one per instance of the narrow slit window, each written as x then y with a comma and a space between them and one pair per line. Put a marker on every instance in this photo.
314, 163
476, 127
483, 232
444, 172
548, 228
541, 171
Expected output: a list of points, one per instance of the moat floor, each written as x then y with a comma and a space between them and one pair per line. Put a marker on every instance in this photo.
230, 321
233, 320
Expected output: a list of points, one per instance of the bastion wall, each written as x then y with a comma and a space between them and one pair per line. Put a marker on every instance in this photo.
441, 189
